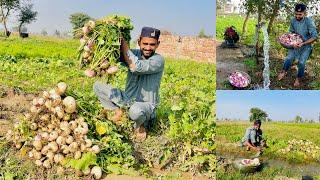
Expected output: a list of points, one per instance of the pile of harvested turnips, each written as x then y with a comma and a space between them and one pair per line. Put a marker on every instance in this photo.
57, 131
288, 40
303, 146
99, 50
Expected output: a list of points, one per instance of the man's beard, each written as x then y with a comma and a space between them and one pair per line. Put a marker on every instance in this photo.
147, 56
299, 19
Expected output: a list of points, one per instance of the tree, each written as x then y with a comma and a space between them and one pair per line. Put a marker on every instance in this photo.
221, 4
257, 114
298, 119
78, 20
6, 8
57, 33
16, 28
202, 34
269, 10
44, 32
26, 15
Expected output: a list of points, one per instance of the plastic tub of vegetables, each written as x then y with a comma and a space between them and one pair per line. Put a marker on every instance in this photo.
288, 40
247, 165
239, 79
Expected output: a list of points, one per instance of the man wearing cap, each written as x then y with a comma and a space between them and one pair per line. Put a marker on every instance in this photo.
253, 137
304, 26
141, 95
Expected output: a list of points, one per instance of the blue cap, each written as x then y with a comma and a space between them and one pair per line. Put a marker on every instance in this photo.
300, 7
150, 32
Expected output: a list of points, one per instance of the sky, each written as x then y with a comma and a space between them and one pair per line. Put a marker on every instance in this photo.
280, 105
183, 17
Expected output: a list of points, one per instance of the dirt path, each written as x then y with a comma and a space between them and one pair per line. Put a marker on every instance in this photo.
12, 106
228, 60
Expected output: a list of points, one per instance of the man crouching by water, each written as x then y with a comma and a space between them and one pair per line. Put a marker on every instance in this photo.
253, 138
141, 95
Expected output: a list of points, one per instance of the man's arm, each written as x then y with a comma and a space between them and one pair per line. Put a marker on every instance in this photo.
312, 31
253, 135
124, 50
291, 28
252, 146
154, 64
247, 139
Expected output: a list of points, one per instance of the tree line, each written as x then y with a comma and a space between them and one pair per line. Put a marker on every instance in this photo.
25, 12
259, 114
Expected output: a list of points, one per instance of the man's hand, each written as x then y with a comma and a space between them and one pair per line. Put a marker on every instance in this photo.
298, 45
124, 50
257, 148
309, 41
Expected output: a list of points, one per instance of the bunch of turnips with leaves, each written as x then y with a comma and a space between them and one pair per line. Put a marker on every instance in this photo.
99, 51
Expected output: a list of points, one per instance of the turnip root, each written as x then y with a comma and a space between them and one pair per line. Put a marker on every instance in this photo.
61, 88
95, 149
90, 73
112, 70
96, 172
70, 104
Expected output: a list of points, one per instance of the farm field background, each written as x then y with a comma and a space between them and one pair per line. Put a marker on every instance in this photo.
277, 164
29, 66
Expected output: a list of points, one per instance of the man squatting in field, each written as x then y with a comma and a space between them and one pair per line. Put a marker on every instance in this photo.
141, 95
304, 26
253, 137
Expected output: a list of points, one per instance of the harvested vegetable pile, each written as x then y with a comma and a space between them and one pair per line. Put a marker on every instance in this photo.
288, 40
239, 79
302, 146
250, 162
57, 135
99, 51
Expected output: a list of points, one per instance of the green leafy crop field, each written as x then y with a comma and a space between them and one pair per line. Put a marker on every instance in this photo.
185, 115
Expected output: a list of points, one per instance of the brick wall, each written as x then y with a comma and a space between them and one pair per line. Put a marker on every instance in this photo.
194, 48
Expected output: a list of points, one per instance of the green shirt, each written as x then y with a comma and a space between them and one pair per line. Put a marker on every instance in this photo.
143, 82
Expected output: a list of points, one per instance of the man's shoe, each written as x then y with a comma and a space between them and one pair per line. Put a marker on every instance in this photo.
281, 76
296, 83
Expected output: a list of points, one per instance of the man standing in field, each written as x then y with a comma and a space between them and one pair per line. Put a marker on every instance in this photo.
306, 28
253, 137
141, 95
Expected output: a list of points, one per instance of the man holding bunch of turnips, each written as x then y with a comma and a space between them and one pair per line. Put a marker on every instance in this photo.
305, 27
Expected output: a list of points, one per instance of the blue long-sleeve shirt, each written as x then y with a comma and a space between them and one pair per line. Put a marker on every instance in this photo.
143, 82
306, 28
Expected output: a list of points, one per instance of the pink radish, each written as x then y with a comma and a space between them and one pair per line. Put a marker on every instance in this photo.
90, 73
112, 70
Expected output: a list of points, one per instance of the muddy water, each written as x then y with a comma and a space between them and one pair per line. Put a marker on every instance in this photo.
310, 169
